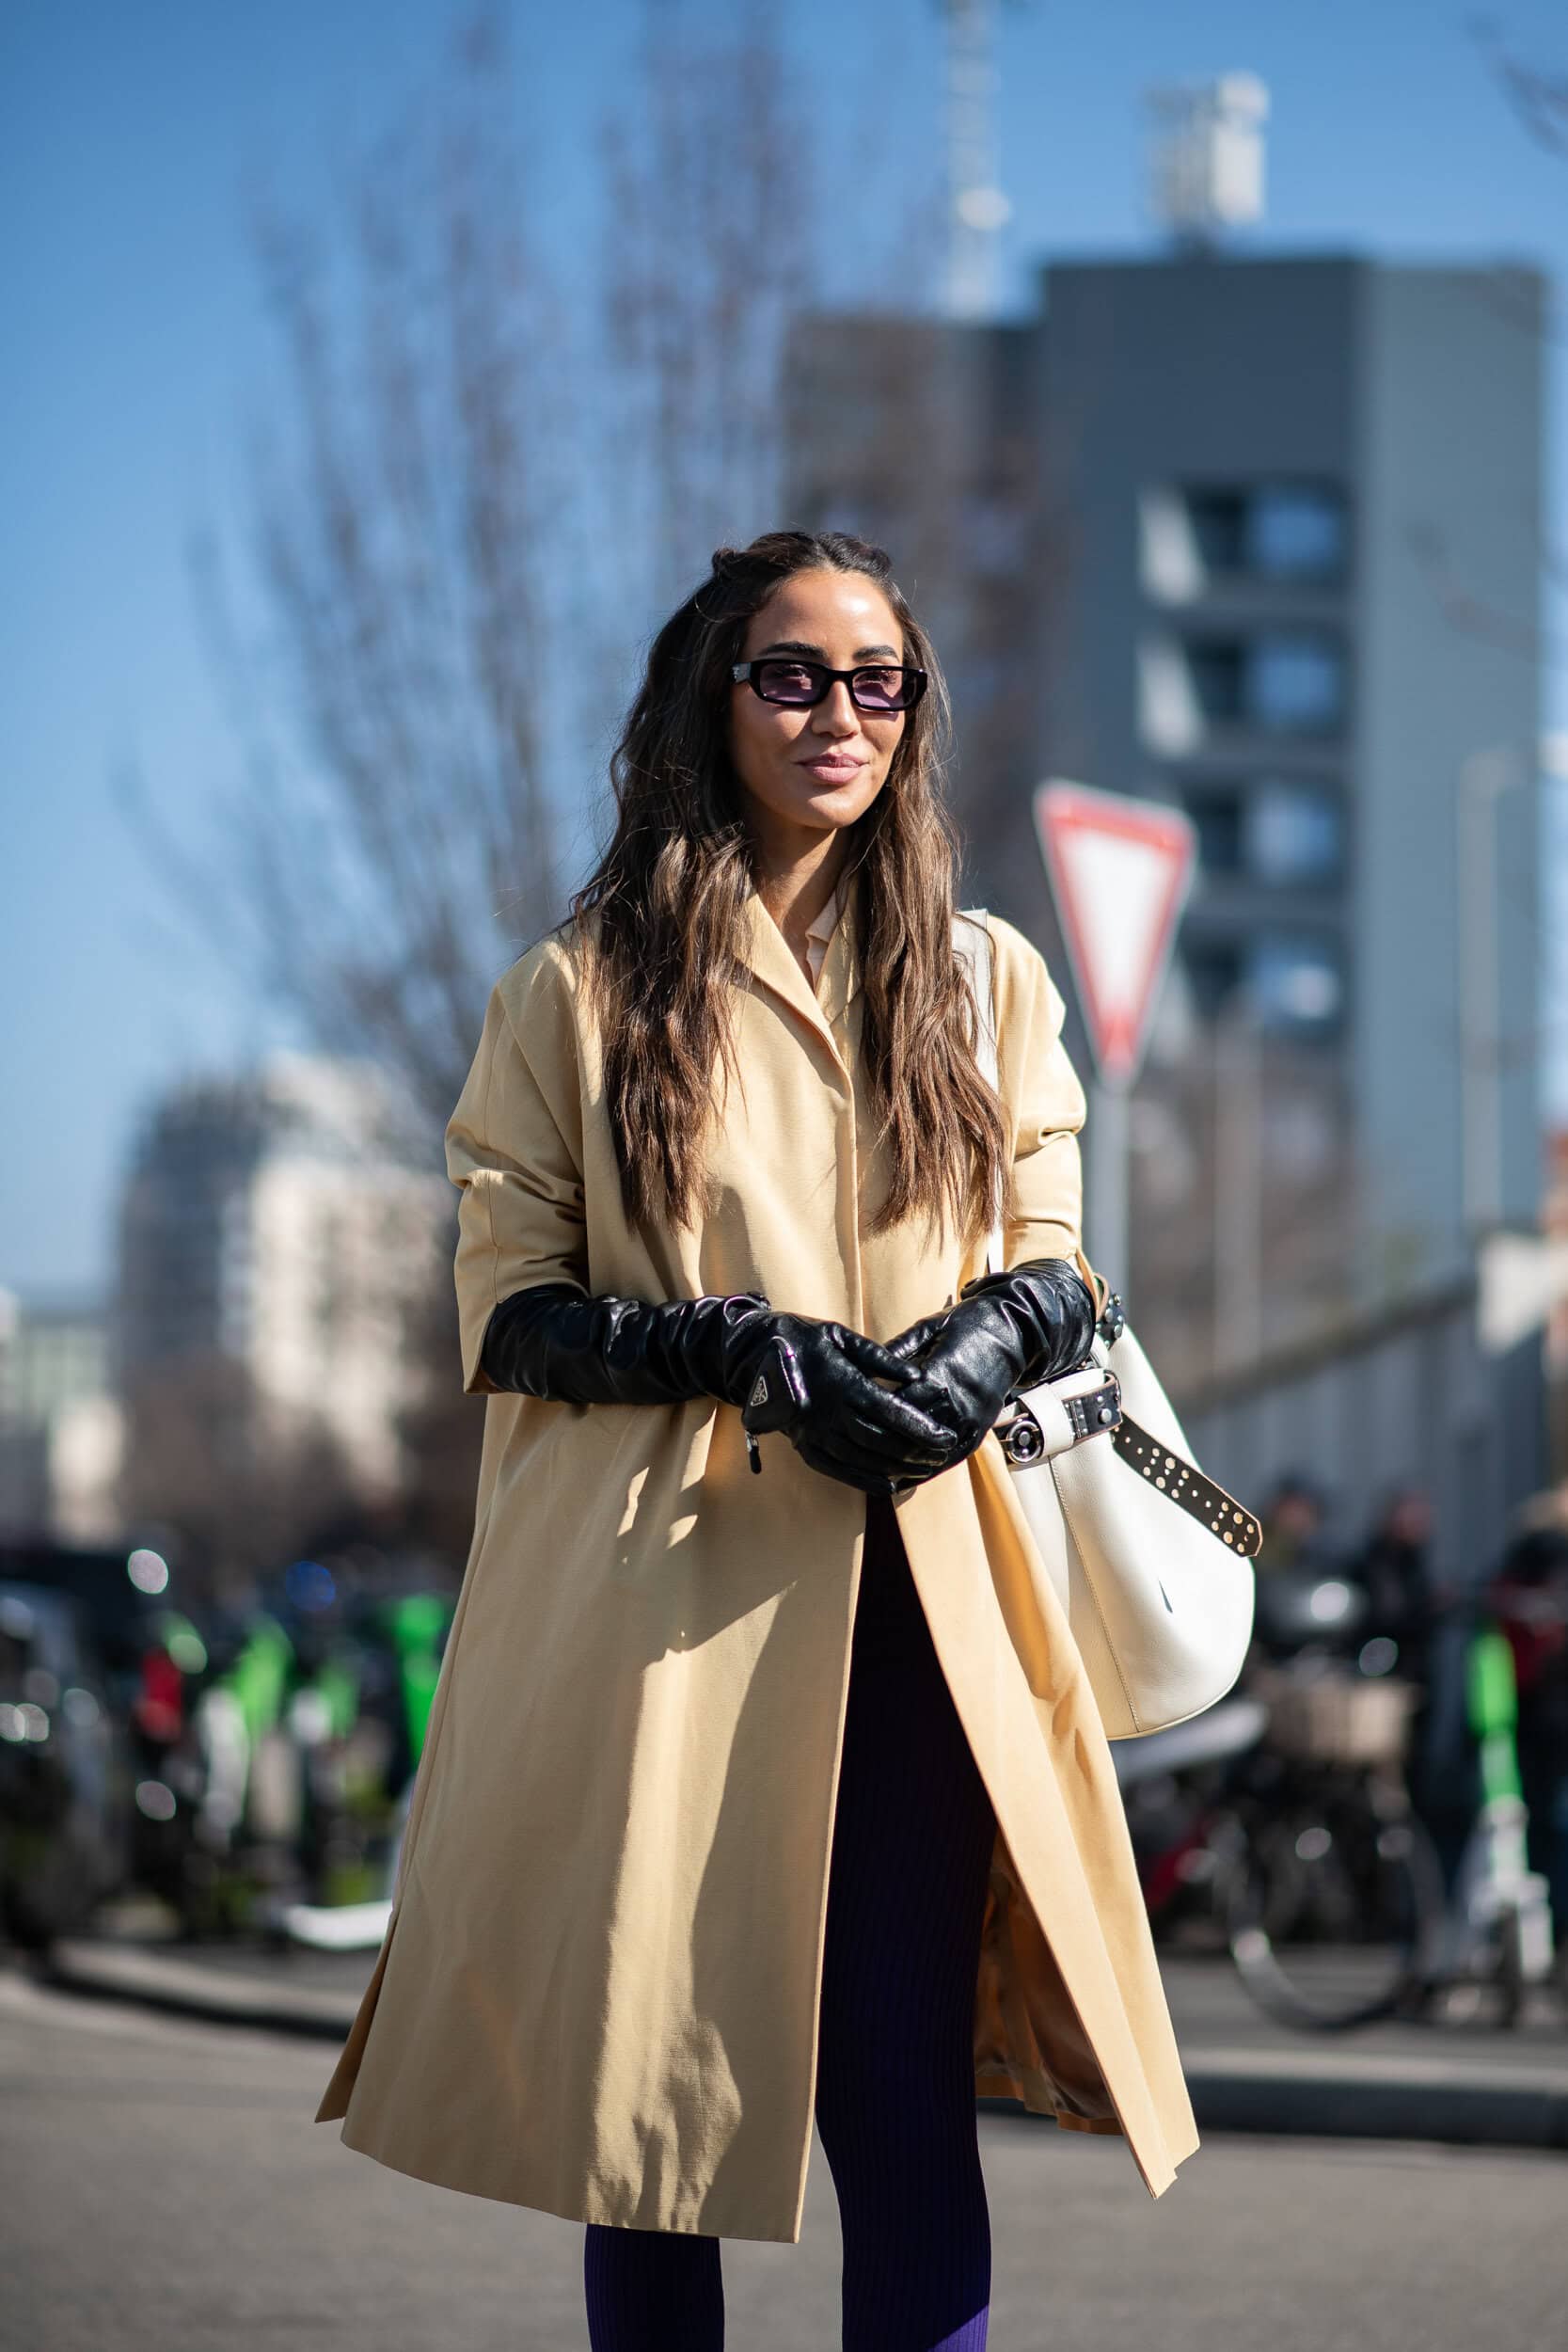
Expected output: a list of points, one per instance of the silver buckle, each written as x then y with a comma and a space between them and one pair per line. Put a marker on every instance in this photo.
1022, 1440
1022, 1437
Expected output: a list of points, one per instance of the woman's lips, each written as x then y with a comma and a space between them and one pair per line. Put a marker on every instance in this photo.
835, 770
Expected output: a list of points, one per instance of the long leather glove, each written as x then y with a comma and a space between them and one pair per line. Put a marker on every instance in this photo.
818, 1381
1003, 1331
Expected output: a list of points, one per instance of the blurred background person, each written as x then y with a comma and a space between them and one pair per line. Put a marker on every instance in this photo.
1529, 1597
1296, 1534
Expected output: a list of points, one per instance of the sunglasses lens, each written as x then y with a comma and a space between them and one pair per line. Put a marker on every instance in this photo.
881, 690
789, 681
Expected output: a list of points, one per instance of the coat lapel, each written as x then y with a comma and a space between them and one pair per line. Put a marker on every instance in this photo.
765, 948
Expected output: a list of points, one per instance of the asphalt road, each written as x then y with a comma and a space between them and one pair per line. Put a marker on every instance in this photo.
164, 2189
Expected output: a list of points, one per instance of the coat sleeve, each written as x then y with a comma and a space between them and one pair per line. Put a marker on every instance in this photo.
1045, 1102
514, 1148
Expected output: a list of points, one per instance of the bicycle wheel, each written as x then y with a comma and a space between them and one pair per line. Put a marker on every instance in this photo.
1327, 1909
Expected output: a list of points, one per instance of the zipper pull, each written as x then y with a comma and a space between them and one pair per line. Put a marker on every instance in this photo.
755, 1452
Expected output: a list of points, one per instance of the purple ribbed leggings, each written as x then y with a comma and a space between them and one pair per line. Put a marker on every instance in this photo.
912, 1833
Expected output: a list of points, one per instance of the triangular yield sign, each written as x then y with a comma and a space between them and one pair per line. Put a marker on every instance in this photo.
1120, 870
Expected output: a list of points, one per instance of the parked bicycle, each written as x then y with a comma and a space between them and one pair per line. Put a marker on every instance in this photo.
1284, 1818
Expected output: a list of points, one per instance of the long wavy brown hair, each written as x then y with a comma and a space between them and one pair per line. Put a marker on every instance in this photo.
662, 951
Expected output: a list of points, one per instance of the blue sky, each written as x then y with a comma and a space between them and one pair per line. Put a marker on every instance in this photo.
138, 356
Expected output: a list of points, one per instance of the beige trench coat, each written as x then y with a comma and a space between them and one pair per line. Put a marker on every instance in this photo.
597, 1994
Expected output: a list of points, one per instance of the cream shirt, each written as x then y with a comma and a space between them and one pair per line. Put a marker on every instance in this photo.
818, 934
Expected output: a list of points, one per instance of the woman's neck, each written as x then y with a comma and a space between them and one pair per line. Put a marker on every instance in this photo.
796, 887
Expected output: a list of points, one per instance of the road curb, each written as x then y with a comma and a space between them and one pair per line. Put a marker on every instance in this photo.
1258, 2092
1460, 2109
184, 1989
1345, 2097
1288, 2093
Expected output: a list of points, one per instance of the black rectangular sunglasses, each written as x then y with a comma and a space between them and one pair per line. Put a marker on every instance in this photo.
874, 686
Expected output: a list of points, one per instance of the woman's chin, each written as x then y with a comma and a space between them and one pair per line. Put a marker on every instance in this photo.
826, 803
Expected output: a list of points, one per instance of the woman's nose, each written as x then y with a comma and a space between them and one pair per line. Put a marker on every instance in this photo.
837, 711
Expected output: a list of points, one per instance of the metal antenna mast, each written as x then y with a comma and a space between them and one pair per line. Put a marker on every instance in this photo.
976, 207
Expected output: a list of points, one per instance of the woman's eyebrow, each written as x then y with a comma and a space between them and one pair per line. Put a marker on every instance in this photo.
815, 653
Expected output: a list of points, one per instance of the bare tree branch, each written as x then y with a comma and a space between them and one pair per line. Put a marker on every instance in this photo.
478, 474
709, 252
1540, 101
1469, 614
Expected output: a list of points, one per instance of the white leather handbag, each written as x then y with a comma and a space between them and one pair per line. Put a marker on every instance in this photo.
1151, 1561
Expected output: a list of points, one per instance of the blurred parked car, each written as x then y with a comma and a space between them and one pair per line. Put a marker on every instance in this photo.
64, 1771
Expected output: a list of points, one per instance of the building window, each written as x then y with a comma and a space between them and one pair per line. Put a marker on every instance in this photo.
1217, 667
1284, 683
1216, 811
1214, 969
1295, 683
1218, 521
1296, 983
1197, 535
1295, 832
1278, 682
1296, 531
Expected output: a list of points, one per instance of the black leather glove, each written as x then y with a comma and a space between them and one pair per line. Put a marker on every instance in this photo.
817, 1381
554, 1341
1003, 1331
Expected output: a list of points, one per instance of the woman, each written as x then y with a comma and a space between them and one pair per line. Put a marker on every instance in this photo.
764, 1779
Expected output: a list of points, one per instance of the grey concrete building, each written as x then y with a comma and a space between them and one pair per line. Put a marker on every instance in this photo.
1260, 537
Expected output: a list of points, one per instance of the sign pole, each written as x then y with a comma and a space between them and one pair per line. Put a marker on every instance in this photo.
1105, 1217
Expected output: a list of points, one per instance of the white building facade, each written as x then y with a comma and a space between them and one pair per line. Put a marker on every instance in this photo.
282, 1223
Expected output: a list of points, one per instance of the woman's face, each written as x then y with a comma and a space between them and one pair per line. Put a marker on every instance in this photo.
815, 771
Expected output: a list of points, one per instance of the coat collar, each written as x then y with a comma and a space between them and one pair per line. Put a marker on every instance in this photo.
765, 948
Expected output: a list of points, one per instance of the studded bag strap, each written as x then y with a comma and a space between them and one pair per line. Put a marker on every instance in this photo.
1220, 1513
